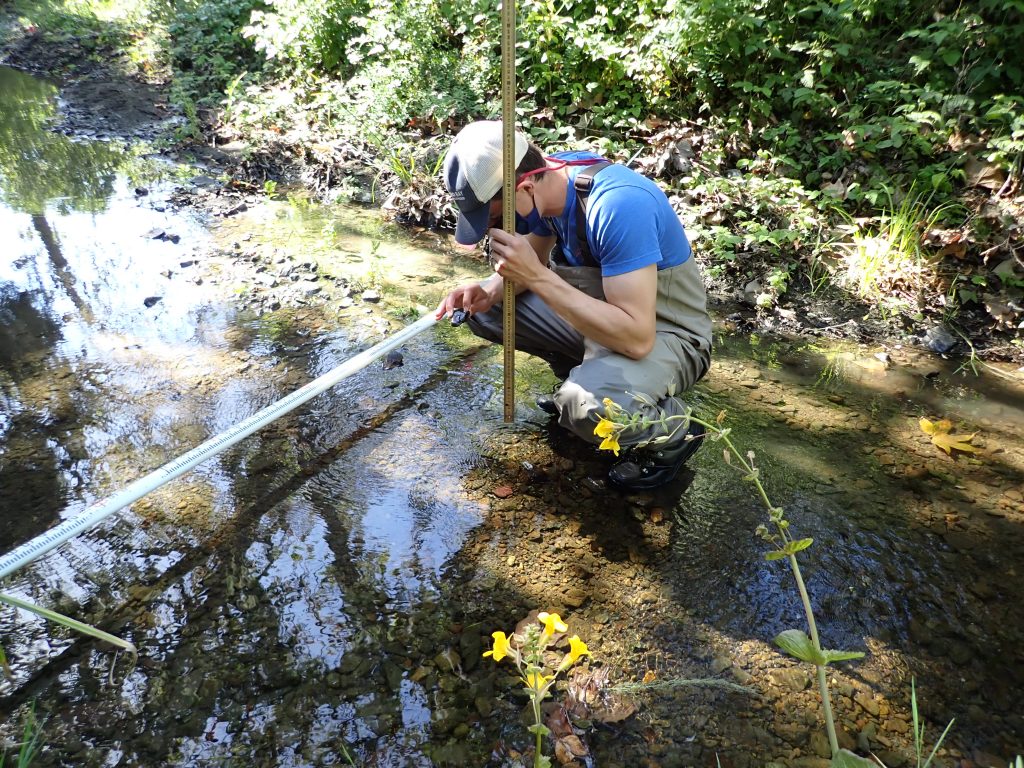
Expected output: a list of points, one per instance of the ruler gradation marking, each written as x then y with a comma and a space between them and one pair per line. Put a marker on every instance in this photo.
508, 220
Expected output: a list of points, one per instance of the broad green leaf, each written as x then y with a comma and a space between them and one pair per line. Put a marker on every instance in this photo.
844, 758
797, 644
776, 554
796, 546
920, 63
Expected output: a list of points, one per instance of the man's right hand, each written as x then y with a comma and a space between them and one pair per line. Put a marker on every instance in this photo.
471, 297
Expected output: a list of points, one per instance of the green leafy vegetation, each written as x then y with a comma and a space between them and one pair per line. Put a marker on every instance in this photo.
790, 136
793, 138
889, 264
29, 746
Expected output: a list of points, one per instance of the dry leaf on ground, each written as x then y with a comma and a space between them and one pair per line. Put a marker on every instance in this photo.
939, 431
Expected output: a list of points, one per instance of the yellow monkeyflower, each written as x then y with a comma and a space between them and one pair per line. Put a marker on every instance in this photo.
552, 623
535, 680
501, 646
577, 648
610, 443
608, 430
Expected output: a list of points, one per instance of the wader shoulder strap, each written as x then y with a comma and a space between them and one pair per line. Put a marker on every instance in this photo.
583, 182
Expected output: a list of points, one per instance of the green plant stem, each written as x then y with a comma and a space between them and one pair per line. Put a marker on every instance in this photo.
73, 624
812, 626
535, 700
826, 699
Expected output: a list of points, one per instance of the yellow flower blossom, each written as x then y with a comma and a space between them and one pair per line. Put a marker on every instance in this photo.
501, 646
610, 443
535, 680
577, 648
552, 623
609, 431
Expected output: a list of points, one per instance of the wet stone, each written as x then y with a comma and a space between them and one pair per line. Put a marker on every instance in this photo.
792, 733
819, 744
789, 679
574, 597
393, 674
867, 702
204, 182
938, 339
959, 653
484, 705
895, 725
811, 762
448, 660
987, 760
866, 737
471, 647
742, 676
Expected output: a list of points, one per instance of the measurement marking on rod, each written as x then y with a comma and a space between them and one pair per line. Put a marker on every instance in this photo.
508, 207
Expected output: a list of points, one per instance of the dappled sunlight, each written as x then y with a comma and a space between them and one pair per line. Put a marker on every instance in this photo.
345, 242
335, 578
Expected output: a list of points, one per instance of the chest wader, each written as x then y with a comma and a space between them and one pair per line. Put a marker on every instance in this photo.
680, 356
587, 277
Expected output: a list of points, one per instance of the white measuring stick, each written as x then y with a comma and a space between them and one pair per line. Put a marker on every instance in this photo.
97, 512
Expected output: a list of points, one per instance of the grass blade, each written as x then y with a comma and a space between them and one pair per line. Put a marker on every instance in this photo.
67, 621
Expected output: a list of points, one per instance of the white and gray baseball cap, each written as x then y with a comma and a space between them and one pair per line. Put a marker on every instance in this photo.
472, 173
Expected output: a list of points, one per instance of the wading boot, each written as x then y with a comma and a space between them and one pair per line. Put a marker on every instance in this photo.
647, 468
547, 404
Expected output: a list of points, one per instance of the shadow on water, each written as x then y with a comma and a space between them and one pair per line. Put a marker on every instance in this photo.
278, 594
321, 593
915, 553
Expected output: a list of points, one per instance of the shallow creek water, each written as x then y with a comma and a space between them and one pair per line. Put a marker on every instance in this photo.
321, 593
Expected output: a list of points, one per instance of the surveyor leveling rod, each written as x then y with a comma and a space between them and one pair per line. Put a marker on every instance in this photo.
99, 511
508, 177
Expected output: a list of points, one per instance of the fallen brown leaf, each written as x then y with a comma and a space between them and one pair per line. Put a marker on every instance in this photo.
939, 431
568, 748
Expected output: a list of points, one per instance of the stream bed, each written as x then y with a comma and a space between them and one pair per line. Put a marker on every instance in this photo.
321, 594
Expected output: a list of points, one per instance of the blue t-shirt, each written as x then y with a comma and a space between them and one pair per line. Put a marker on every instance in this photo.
630, 223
